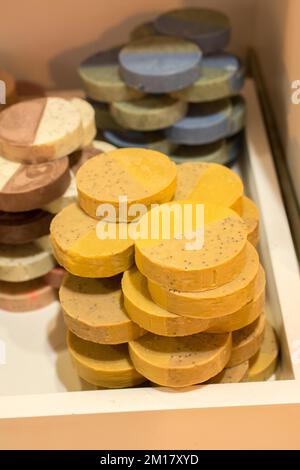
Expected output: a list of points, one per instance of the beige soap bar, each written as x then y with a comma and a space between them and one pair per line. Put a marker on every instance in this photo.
141, 175
175, 259
247, 341
180, 362
78, 248
87, 114
103, 365
150, 316
209, 182
39, 130
20, 263
93, 310
264, 363
212, 304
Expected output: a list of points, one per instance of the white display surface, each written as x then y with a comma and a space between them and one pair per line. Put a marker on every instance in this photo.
36, 371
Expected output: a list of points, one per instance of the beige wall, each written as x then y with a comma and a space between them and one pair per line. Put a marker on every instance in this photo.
45, 40
278, 43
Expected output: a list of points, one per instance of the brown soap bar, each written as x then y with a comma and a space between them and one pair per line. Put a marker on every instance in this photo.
23, 227
25, 296
28, 187
55, 277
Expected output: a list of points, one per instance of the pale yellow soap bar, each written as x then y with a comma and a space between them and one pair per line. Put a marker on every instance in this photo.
142, 176
150, 316
93, 310
78, 248
103, 365
180, 362
250, 215
212, 304
177, 259
209, 182
264, 363
247, 341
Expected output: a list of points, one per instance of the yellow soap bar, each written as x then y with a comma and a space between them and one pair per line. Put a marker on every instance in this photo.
246, 314
209, 182
247, 341
177, 259
93, 310
150, 316
180, 362
212, 304
103, 365
143, 176
79, 249
235, 374
264, 363
250, 215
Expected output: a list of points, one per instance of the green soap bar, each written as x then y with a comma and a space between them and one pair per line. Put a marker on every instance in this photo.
222, 75
149, 113
101, 79
143, 31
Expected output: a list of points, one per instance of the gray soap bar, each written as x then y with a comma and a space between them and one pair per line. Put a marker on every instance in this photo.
159, 64
135, 139
208, 28
208, 122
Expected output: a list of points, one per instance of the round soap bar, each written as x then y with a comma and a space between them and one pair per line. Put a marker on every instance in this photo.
103, 365
234, 148
93, 310
250, 215
25, 296
54, 278
213, 303
142, 31
80, 249
208, 122
247, 341
176, 258
210, 182
20, 263
103, 117
180, 362
101, 79
213, 152
148, 114
103, 146
160, 64
150, 316
222, 75
87, 114
28, 187
238, 115
247, 314
76, 159
231, 375
40, 130
10, 88
264, 363
23, 227
143, 176
210, 29
149, 140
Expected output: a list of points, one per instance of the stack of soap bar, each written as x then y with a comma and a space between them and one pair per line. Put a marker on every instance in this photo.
172, 88
41, 140
168, 309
